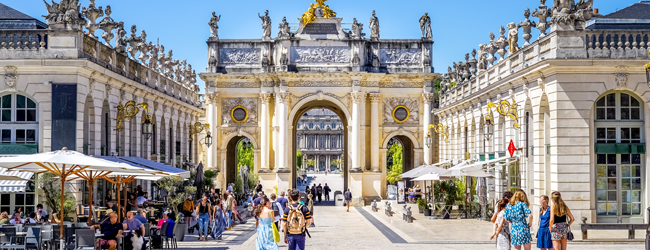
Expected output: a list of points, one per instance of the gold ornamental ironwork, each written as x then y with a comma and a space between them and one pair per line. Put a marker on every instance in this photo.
506, 109
440, 129
310, 16
197, 128
131, 109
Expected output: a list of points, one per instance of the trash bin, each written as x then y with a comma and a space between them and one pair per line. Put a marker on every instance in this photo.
338, 200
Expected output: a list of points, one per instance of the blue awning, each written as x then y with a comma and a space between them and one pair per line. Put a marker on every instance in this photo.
141, 162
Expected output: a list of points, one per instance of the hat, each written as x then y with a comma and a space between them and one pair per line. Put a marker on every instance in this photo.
108, 211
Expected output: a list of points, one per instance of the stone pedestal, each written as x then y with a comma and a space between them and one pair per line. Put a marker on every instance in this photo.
372, 186
283, 180
355, 184
268, 182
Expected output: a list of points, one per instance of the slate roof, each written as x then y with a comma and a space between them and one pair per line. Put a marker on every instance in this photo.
640, 10
11, 18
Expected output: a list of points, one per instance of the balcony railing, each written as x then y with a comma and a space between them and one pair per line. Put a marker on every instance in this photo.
18, 149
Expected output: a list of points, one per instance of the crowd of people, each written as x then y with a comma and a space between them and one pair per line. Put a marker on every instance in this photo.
318, 191
513, 221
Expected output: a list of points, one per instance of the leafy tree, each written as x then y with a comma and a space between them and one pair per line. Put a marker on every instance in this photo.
336, 162
245, 156
208, 180
176, 191
51, 186
395, 152
299, 156
311, 162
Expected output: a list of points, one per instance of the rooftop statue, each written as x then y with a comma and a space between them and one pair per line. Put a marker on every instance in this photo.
284, 29
513, 37
318, 10
214, 27
66, 13
266, 25
356, 29
374, 27
425, 26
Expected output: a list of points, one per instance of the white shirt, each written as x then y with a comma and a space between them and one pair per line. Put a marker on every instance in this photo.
43, 212
13, 221
141, 200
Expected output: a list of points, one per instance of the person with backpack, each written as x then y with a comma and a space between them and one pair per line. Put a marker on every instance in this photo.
327, 191
319, 193
348, 198
276, 207
296, 218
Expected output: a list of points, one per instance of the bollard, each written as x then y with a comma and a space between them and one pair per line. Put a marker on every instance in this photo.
389, 210
647, 234
373, 205
409, 215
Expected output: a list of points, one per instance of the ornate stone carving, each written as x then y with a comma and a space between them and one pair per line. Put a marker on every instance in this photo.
502, 43
356, 30
107, 25
238, 84
343, 99
513, 38
374, 27
320, 83
266, 25
284, 29
265, 97
482, 57
108, 89
425, 26
228, 104
527, 25
427, 97
621, 77
282, 97
214, 27
542, 14
412, 104
133, 42
567, 12
240, 56
211, 97
284, 58
92, 13
321, 55
120, 44
374, 97
11, 77
64, 15
491, 49
357, 97
400, 56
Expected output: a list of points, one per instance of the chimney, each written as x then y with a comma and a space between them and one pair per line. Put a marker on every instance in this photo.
596, 11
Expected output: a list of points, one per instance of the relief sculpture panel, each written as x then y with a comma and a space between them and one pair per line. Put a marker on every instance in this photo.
411, 104
400, 56
240, 56
318, 55
228, 104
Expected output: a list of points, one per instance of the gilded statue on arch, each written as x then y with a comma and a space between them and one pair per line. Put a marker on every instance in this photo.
318, 10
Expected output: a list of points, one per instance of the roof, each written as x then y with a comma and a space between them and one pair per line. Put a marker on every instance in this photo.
11, 18
640, 10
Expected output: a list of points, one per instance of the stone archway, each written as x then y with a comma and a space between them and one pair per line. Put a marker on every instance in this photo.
318, 102
228, 149
410, 158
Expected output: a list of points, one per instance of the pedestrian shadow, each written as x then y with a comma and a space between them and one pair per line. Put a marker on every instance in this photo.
325, 204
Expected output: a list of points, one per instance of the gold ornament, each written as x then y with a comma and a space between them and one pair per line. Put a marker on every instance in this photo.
505, 109
440, 129
130, 109
310, 16
197, 128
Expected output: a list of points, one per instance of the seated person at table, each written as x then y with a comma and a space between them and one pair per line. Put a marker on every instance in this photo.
112, 206
140, 215
131, 224
144, 200
39, 217
31, 219
170, 223
39, 208
162, 219
55, 218
16, 219
4, 218
111, 229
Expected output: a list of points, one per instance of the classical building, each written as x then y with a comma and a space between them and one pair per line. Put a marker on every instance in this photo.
260, 89
320, 138
573, 102
65, 84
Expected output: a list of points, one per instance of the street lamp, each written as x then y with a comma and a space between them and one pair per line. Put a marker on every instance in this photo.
208, 140
429, 140
147, 127
488, 128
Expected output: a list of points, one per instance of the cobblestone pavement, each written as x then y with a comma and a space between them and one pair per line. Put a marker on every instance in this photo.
363, 229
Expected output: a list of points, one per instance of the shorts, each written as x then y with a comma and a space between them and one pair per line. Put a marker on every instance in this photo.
104, 243
187, 214
559, 231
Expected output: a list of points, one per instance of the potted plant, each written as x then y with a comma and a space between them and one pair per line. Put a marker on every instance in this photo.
421, 205
427, 210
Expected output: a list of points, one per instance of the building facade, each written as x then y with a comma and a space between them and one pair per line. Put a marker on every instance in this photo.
260, 88
573, 102
70, 84
320, 139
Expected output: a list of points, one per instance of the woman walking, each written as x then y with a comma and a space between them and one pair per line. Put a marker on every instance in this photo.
203, 217
310, 205
518, 213
560, 226
501, 226
543, 233
265, 224
218, 220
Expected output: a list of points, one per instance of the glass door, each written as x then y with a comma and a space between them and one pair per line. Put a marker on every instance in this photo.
619, 188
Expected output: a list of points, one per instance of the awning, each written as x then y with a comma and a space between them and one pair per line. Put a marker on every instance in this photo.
425, 169
14, 186
475, 169
141, 162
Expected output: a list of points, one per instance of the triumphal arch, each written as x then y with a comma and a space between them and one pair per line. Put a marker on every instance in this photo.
259, 88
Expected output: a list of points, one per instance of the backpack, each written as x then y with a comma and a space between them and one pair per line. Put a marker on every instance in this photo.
275, 208
296, 220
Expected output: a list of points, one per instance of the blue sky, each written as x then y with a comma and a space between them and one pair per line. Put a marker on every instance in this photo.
458, 26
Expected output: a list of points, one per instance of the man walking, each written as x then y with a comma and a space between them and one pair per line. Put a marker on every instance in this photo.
319, 193
229, 207
348, 198
327, 191
282, 200
294, 230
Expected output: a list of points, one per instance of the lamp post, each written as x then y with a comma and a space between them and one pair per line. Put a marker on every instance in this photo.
128, 111
488, 128
197, 128
147, 127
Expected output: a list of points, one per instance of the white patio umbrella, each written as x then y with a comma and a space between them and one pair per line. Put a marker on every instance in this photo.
64, 163
5, 177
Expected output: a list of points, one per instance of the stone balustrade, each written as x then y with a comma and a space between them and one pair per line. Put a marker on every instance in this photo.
26, 44
622, 44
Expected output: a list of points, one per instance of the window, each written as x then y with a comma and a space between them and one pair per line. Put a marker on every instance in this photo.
311, 125
333, 125
619, 182
26, 201
322, 126
18, 120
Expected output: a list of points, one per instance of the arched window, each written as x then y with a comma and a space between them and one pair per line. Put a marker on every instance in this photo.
619, 138
19, 122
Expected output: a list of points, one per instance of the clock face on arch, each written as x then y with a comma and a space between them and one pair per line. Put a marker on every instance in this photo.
239, 114
401, 114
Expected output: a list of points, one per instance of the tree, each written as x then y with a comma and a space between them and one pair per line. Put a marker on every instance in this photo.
311, 162
51, 186
299, 156
336, 162
245, 156
176, 191
395, 152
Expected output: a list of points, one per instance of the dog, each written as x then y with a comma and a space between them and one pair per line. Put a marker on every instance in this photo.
137, 240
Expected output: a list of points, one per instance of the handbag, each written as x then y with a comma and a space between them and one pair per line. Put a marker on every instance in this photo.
276, 234
569, 235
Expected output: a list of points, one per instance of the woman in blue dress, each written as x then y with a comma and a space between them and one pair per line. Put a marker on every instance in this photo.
520, 218
544, 241
264, 224
218, 220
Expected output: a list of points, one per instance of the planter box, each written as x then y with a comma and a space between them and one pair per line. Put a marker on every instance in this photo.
427, 212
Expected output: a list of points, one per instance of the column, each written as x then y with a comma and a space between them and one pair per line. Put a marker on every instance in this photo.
426, 120
374, 131
354, 136
211, 98
281, 111
264, 132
